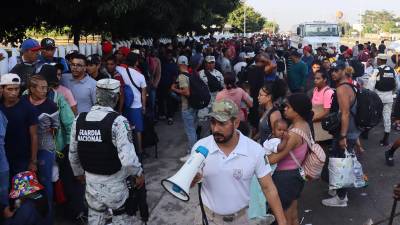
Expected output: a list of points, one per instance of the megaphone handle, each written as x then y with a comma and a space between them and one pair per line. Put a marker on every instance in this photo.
203, 212
393, 212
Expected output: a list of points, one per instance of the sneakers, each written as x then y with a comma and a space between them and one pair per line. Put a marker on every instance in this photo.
335, 202
184, 158
333, 194
389, 159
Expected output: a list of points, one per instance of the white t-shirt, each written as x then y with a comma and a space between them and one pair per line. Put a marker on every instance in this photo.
238, 67
139, 80
227, 179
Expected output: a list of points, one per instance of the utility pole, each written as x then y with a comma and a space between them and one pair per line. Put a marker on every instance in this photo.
244, 17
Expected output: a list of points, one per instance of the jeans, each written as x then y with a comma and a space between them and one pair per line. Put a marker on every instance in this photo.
337, 152
45, 172
189, 117
4, 184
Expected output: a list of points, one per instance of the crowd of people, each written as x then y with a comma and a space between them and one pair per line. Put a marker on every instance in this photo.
71, 129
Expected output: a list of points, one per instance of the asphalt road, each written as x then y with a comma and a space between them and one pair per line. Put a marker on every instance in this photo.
374, 201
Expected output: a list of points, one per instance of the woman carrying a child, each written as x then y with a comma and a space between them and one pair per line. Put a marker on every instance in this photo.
288, 176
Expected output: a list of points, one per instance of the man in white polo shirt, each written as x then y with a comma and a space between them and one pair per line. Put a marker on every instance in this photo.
232, 161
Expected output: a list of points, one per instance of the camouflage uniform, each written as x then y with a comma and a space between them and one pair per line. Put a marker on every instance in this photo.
104, 193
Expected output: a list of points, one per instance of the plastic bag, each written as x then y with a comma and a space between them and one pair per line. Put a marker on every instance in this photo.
257, 204
341, 172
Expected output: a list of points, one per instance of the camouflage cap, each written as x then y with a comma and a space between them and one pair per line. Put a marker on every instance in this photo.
224, 110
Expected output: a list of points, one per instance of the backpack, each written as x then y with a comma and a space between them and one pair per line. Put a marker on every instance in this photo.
358, 68
200, 96
213, 84
315, 157
368, 111
128, 96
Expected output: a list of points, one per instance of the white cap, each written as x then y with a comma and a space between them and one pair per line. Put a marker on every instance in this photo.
382, 56
109, 84
9, 79
210, 58
330, 51
182, 60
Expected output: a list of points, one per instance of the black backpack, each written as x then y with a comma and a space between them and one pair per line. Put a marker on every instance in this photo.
368, 111
200, 96
213, 84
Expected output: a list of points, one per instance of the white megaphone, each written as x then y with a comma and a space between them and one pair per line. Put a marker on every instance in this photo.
179, 184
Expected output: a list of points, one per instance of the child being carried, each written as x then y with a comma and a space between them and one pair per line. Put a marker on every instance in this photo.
276, 142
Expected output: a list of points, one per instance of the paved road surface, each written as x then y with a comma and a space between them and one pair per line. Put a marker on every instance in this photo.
372, 202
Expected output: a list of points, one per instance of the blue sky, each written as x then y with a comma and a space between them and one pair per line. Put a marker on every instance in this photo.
287, 13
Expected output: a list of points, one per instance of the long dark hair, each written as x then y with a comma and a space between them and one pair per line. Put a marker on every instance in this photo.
276, 89
230, 81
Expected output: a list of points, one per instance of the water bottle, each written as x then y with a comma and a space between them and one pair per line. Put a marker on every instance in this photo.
358, 174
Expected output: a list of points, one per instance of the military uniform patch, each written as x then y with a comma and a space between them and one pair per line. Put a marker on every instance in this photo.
129, 133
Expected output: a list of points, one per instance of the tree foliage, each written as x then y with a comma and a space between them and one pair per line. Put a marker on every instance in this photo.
118, 18
254, 20
271, 26
379, 21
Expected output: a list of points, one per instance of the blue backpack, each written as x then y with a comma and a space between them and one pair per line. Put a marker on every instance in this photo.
128, 96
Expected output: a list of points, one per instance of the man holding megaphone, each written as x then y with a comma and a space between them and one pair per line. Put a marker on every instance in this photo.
231, 162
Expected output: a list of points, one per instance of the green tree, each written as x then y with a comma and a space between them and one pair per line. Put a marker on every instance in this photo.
271, 26
378, 21
254, 20
116, 18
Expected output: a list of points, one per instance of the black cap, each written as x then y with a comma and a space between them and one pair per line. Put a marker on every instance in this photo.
48, 43
295, 53
338, 65
93, 59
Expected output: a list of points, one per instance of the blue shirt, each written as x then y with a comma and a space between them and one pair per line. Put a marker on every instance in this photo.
20, 118
84, 91
60, 60
3, 158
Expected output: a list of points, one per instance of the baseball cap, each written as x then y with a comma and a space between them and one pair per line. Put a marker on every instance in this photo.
48, 43
182, 60
30, 44
210, 58
9, 79
124, 50
338, 65
106, 47
295, 54
224, 110
382, 56
109, 85
93, 59
307, 49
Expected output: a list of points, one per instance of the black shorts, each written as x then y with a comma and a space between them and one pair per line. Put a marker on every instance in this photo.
289, 184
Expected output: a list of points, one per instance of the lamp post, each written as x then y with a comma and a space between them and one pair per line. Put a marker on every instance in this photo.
244, 16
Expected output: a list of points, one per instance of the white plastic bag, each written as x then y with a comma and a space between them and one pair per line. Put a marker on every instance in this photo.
341, 172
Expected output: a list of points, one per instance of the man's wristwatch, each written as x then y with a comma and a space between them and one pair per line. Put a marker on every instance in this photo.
342, 137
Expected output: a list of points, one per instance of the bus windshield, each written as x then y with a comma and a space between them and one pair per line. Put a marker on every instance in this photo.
321, 30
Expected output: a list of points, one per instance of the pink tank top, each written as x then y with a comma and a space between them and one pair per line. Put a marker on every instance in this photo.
288, 163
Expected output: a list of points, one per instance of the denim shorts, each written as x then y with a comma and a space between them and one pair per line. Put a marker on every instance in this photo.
135, 118
289, 184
